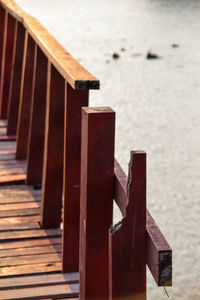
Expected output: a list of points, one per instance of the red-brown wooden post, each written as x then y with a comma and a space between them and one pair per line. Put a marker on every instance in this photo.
37, 125
2, 30
74, 100
97, 189
158, 251
26, 99
127, 240
52, 179
7, 61
16, 81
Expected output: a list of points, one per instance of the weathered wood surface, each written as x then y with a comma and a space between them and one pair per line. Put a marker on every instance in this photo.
16, 81
41, 280
4, 137
96, 204
50, 292
159, 255
159, 264
2, 26
7, 61
74, 100
11, 170
53, 151
13, 9
37, 123
69, 68
127, 239
26, 98
30, 257
3, 132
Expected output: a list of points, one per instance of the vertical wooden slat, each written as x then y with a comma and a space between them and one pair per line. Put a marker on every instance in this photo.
97, 189
9, 49
72, 145
37, 125
53, 151
127, 249
26, 99
2, 35
16, 81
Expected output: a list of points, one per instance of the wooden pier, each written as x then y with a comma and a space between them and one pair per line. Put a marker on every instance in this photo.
59, 179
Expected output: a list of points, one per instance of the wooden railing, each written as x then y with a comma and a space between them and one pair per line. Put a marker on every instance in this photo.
42, 92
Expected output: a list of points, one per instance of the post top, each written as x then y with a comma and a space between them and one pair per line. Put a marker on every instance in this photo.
97, 110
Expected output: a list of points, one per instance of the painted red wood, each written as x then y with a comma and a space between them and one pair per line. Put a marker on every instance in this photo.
2, 27
37, 125
127, 250
74, 100
158, 252
16, 81
53, 151
26, 99
97, 186
10, 34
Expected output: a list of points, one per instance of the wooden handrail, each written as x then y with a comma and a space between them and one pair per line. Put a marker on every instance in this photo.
43, 90
76, 75
13, 9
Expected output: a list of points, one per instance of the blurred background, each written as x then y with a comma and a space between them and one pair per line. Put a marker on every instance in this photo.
157, 101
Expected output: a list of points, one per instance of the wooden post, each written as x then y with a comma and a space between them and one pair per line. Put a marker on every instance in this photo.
37, 125
16, 81
53, 151
97, 190
127, 249
74, 100
158, 251
2, 35
8, 53
26, 95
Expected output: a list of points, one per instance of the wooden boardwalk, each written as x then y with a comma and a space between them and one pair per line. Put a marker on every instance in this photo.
30, 257
3, 132
58, 180
12, 171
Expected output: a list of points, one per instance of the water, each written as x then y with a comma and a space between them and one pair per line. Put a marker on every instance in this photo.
157, 105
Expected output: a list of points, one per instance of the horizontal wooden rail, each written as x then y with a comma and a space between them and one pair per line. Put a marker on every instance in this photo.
77, 76
159, 253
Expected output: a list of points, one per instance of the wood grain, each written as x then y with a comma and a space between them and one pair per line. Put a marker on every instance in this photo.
29, 243
37, 123
156, 243
52, 184
2, 28
30, 269
6, 75
24, 234
26, 94
16, 81
36, 281
50, 292
30, 251
159, 254
96, 207
67, 66
127, 239
74, 100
